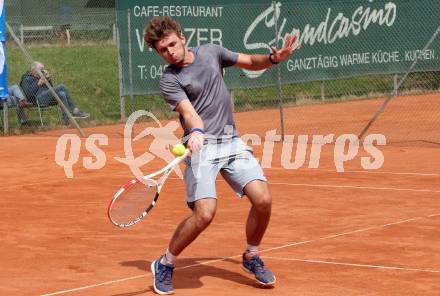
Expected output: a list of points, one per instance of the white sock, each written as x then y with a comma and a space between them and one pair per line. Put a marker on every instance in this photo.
168, 259
252, 250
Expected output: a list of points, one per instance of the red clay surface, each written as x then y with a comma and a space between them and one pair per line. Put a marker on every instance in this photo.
353, 233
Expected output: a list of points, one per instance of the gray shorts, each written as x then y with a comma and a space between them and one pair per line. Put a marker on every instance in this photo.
232, 158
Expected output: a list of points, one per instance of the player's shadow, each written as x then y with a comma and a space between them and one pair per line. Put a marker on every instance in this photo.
190, 278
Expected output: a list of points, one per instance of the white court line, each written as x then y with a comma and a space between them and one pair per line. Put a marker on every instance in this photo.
136, 277
355, 265
272, 183
97, 285
238, 256
357, 171
348, 186
355, 187
105, 175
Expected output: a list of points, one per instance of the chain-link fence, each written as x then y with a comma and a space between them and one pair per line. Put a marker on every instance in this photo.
58, 21
78, 45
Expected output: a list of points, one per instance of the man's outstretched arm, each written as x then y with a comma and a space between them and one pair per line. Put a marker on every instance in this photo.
257, 62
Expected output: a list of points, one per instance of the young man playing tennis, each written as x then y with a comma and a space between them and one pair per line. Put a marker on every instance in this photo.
193, 86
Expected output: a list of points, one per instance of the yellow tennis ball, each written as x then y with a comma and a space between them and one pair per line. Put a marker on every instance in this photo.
178, 149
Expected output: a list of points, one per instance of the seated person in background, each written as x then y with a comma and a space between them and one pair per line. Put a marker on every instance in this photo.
35, 89
17, 99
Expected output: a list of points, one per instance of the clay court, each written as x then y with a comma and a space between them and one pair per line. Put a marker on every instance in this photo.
357, 232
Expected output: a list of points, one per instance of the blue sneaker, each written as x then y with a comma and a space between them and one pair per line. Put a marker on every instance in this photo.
162, 275
256, 267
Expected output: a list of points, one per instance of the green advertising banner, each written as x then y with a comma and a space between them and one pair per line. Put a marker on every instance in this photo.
339, 39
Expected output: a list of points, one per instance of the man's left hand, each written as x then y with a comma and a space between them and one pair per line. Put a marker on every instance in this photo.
280, 55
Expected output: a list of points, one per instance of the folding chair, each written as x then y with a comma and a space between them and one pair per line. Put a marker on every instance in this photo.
40, 107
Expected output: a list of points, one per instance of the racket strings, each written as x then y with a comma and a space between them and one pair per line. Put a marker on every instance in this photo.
132, 202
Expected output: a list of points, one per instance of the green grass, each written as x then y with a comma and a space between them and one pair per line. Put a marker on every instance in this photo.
90, 72
356, 88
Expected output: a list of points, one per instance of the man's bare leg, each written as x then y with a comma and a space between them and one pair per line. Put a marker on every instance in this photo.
260, 197
190, 228
258, 219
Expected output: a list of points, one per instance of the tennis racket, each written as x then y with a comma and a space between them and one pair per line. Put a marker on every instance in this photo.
137, 197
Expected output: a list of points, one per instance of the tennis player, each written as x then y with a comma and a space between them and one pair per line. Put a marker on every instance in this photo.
193, 85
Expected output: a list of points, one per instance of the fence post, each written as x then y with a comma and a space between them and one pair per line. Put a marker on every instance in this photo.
396, 78
122, 106
232, 100
322, 90
114, 37
121, 98
5, 117
68, 37
280, 90
21, 34
130, 60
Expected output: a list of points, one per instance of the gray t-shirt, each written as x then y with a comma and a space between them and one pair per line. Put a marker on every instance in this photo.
202, 84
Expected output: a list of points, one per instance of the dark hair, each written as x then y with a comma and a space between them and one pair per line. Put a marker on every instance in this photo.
159, 27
